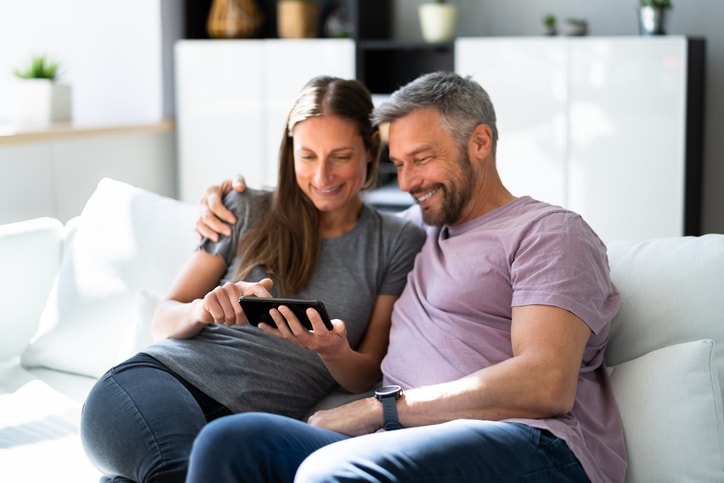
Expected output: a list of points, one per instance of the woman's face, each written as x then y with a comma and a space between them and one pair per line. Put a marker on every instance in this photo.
330, 162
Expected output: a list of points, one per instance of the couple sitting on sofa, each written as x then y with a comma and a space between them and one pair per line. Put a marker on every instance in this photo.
501, 357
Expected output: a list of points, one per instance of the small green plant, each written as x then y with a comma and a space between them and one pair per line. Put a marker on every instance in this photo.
549, 21
663, 4
549, 24
40, 68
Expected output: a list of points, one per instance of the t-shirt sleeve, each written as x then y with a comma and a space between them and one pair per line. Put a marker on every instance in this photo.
561, 262
403, 250
240, 205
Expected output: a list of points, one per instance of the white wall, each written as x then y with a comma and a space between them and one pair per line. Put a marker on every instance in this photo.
118, 54
115, 54
698, 18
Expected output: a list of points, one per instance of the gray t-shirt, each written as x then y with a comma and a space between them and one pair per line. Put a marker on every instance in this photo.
248, 370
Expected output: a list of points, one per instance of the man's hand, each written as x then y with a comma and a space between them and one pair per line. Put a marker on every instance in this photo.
215, 218
363, 416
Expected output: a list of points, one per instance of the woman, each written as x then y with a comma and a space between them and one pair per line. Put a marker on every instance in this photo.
312, 237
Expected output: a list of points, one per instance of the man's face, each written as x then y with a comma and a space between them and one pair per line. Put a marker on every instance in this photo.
430, 167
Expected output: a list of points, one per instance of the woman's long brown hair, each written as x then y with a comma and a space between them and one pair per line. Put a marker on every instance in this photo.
286, 241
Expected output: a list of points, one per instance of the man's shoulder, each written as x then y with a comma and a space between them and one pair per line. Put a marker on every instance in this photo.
536, 210
397, 221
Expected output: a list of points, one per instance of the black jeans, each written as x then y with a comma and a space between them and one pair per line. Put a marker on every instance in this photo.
140, 420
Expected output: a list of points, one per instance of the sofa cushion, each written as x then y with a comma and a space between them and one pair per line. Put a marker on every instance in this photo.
671, 406
29, 256
127, 248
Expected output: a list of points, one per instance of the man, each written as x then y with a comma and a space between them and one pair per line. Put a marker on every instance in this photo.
496, 342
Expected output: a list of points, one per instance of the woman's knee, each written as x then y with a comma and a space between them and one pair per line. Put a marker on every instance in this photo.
139, 421
230, 433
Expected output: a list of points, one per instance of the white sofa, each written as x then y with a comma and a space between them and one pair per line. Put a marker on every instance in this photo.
78, 298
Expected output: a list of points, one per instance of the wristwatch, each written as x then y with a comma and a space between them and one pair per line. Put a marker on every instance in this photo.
388, 396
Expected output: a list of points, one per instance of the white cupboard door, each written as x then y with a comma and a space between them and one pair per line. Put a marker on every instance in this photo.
220, 113
627, 145
526, 81
232, 101
288, 65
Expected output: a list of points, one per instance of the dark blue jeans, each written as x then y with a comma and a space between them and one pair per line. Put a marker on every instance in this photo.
140, 420
256, 447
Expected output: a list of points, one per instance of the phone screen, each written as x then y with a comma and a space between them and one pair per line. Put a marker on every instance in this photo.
257, 309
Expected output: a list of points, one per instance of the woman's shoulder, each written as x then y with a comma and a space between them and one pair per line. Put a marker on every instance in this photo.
248, 200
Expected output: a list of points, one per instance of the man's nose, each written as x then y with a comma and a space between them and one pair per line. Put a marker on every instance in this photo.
406, 179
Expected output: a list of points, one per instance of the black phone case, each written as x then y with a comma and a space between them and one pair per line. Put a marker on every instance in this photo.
257, 309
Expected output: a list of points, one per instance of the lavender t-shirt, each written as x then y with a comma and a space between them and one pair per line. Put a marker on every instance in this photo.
453, 317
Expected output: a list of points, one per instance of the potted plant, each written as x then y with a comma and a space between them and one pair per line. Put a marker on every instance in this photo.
549, 24
297, 19
437, 21
41, 97
652, 16
576, 27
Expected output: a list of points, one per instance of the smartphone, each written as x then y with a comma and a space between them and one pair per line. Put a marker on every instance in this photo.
257, 309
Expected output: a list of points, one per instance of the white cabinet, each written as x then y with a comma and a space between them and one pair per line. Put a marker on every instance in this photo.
232, 100
608, 127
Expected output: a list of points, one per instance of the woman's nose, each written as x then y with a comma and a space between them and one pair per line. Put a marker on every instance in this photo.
322, 173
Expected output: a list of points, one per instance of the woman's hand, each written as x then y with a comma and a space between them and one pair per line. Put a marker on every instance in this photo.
327, 343
221, 305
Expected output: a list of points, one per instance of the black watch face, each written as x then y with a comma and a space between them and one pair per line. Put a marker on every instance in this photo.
387, 391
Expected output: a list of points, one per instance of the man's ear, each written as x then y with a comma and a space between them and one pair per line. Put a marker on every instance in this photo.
482, 140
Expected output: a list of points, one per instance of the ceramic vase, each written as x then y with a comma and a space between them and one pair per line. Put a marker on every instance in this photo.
438, 21
234, 19
42, 101
297, 19
652, 21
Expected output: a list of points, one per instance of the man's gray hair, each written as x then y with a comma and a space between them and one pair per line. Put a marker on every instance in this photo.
462, 103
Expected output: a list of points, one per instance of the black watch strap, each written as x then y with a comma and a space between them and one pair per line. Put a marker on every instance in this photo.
388, 396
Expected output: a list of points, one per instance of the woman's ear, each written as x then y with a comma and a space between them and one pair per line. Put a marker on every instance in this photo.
375, 146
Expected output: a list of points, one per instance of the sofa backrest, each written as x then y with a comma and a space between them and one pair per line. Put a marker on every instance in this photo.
673, 292
666, 356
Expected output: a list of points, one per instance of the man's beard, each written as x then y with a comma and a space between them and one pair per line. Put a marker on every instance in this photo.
455, 195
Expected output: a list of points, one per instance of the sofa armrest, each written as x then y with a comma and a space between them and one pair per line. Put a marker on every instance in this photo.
30, 253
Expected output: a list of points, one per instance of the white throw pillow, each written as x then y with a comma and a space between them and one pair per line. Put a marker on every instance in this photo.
127, 249
671, 407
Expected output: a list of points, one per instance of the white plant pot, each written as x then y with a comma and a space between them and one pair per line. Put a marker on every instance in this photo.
437, 21
43, 101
